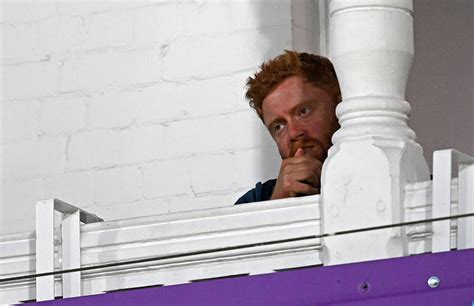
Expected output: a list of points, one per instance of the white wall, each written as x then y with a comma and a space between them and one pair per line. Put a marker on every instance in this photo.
133, 108
441, 84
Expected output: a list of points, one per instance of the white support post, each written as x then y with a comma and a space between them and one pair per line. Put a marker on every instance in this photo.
466, 205
71, 247
446, 163
374, 153
45, 249
442, 174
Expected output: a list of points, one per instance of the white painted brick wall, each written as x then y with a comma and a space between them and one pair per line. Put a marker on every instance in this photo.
58, 116
112, 68
117, 185
214, 173
132, 108
76, 187
26, 128
107, 30
156, 24
166, 179
29, 80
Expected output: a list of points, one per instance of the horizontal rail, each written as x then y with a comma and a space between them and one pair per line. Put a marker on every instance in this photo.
150, 259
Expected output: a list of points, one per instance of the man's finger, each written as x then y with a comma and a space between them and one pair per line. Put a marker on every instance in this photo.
299, 152
305, 176
300, 188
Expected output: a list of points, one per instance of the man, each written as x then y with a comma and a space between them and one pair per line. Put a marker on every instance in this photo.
295, 95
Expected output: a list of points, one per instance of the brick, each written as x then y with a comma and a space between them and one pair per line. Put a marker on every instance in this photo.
201, 135
239, 81
80, 8
18, 205
52, 155
208, 18
126, 210
74, 188
143, 105
27, 159
213, 53
249, 14
29, 80
104, 148
92, 149
117, 185
202, 202
26, 10
223, 54
207, 97
188, 203
20, 160
254, 165
249, 131
20, 120
18, 42
109, 110
212, 173
58, 35
107, 30
166, 179
140, 144
254, 47
216, 134
153, 24
165, 101
117, 68
63, 115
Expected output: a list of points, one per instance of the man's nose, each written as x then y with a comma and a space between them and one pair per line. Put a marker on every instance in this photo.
295, 130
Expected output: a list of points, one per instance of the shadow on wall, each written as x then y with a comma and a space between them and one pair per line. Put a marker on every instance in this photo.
285, 24
272, 22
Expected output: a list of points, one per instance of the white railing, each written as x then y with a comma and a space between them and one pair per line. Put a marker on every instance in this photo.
70, 246
183, 247
450, 193
189, 246
445, 164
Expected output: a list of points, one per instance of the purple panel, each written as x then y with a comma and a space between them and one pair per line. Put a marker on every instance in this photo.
398, 281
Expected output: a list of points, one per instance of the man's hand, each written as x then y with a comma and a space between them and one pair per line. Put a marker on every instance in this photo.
299, 175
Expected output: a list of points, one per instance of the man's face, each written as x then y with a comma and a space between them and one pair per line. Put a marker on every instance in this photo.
299, 114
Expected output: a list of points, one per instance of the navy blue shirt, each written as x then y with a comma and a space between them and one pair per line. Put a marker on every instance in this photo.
261, 192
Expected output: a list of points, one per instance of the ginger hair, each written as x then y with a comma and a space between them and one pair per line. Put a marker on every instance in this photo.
314, 68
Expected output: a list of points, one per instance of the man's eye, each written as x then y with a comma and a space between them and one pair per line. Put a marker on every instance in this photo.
278, 127
304, 111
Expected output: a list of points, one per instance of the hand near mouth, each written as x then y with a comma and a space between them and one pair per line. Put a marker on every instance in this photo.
299, 175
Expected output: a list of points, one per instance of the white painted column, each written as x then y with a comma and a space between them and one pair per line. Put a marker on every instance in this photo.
374, 153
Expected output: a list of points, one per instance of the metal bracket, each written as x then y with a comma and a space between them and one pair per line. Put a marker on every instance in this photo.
71, 246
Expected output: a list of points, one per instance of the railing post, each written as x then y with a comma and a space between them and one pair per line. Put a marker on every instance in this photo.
442, 174
466, 205
374, 153
45, 249
447, 163
70, 245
